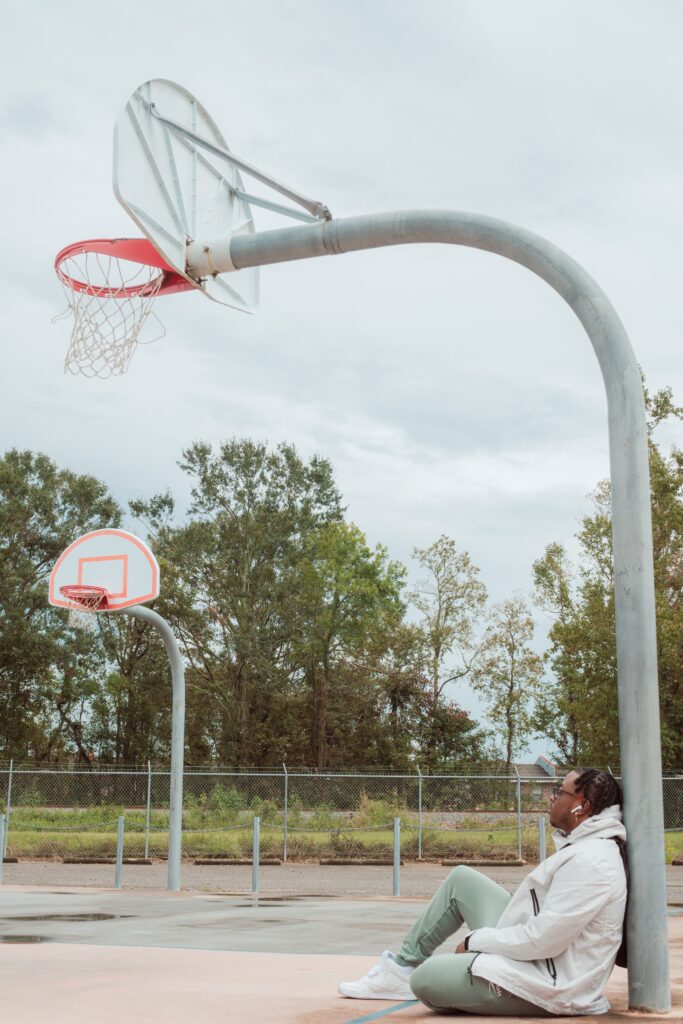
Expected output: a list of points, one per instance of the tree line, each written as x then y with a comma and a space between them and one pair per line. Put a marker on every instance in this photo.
302, 643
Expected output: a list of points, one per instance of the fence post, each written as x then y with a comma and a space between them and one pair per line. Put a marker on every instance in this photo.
255, 854
149, 804
397, 858
519, 813
2, 840
3, 845
284, 854
541, 838
419, 813
119, 853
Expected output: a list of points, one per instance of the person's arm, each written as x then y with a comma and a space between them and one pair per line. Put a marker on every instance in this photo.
570, 904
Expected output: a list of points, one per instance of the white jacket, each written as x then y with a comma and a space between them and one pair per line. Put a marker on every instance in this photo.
556, 941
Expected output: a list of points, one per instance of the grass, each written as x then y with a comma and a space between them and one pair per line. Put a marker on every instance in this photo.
46, 833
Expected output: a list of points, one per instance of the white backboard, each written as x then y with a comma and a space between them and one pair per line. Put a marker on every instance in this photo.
177, 191
114, 559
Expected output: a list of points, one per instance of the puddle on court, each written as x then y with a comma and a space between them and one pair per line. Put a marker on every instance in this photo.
255, 901
23, 938
263, 904
69, 917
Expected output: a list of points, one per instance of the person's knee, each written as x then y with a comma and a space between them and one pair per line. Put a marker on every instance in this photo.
463, 871
460, 874
424, 980
416, 982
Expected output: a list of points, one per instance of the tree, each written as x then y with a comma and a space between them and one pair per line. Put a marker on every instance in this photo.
292, 626
42, 509
579, 710
344, 596
446, 736
131, 707
450, 600
229, 574
508, 673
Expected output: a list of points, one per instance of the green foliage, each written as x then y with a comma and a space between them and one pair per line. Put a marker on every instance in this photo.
266, 810
293, 627
45, 668
508, 673
578, 709
299, 646
226, 800
450, 600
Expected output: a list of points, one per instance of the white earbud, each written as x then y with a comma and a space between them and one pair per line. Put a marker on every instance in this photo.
577, 809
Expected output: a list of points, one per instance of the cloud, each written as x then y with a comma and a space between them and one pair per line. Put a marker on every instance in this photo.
31, 117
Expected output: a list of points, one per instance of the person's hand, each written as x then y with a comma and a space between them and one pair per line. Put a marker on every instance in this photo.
461, 947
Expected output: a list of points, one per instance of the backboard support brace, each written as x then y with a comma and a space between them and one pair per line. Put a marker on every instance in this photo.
316, 210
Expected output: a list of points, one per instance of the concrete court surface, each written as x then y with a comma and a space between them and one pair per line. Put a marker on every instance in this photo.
112, 956
294, 878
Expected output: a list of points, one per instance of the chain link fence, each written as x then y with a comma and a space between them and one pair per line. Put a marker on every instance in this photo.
305, 815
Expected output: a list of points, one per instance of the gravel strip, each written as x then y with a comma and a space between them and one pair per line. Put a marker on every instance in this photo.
417, 880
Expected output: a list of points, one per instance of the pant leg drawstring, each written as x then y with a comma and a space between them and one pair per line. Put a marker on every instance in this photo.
469, 967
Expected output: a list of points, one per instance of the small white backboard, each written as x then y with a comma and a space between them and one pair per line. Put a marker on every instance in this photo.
115, 560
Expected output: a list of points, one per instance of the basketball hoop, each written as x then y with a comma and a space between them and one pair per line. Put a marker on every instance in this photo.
110, 286
82, 601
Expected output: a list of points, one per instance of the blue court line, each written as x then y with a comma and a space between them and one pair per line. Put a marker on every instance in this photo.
383, 1013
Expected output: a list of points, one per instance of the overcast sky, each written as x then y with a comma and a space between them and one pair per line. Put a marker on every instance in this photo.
453, 391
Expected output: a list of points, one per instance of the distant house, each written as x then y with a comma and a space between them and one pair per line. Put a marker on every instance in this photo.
537, 778
542, 768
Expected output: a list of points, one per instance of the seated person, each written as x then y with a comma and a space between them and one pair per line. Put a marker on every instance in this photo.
546, 950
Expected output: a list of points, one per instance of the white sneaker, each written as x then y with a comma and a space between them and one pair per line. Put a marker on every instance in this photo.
386, 980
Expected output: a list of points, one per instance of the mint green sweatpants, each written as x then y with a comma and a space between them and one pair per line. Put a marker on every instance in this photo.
443, 982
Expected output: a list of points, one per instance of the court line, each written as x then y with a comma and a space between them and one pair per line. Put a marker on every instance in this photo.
383, 1013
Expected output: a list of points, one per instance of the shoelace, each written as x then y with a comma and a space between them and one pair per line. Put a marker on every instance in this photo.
378, 968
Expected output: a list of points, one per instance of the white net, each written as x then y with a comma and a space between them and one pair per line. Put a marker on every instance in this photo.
108, 319
80, 618
83, 602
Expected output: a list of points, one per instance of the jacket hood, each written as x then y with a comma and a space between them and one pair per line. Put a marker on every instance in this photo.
605, 825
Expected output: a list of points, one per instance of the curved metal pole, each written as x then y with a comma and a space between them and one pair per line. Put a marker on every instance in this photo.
175, 826
631, 521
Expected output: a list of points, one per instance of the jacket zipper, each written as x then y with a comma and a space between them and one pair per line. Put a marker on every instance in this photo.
549, 962
469, 968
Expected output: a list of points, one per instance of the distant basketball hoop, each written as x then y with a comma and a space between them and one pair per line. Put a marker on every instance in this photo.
111, 570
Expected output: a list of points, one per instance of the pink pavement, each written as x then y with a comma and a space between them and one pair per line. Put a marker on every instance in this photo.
60, 983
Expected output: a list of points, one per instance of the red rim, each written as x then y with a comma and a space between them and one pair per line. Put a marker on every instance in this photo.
84, 596
135, 250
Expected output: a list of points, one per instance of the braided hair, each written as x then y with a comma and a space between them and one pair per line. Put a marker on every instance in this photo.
600, 787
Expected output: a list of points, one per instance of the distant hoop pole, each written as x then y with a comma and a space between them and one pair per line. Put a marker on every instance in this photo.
641, 766
175, 829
